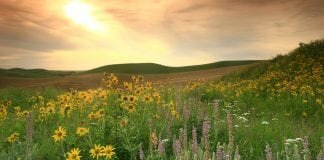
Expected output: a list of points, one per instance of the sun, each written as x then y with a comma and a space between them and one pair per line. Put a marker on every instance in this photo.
82, 14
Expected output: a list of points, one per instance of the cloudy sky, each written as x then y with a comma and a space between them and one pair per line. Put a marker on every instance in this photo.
83, 34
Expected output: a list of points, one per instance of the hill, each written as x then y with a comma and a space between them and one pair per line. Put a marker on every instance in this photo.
296, 74
304, 61
152, 68
19, 72
130, 68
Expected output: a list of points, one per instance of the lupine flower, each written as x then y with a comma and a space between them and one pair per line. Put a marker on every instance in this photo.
268, 152
141, 152
230, 135
205, 132
237, 154
194, 140
161, 148
176, 146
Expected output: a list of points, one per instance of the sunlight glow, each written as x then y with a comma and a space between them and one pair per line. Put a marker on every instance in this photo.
82, 13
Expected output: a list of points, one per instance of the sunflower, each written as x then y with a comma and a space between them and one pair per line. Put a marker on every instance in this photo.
59, 134
13, 137
92, 115
3, 112
100, 113
131, 108
73, 154
81, 131
123, 122
132, 99
107, 151
95, 152
124, 98
147, 99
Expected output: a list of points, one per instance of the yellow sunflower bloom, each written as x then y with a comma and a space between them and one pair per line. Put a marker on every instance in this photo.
81, 131
107, 151
13, 137
95, 152
73, 154
59, 134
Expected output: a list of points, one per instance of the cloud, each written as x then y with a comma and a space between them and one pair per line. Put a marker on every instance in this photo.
24, 24
170, 32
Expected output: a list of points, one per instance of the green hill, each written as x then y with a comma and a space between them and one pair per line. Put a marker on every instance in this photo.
302, 61
298, 73
152, 68
19, 72
130, 68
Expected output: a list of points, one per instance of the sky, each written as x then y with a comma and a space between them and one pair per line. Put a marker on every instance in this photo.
84, 34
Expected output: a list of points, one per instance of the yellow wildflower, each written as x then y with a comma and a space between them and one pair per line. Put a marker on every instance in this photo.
59, 134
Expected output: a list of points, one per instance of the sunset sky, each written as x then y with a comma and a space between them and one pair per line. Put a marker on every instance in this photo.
84, 34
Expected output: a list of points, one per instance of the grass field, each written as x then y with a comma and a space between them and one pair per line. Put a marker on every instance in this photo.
273, 110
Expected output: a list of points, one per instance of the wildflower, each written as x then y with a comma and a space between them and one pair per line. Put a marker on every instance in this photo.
50, 110
132, 99
147, 99
95, 152
161, 148
176, 146
81, 131
265, 122
59, 134
107, 151
124, 98
100, 113
141, 153
156, 116
194, 140
3, 112
131, 108
92, 115
268, 152
153, 138
305, 114
74, 154
13, 137
318, 101
123, 122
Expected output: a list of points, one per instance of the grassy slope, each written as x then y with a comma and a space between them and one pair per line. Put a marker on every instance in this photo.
313, 51
287, 88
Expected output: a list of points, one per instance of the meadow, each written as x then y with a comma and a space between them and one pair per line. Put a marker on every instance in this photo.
273, 110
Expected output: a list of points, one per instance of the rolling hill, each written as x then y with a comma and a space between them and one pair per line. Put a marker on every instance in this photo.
19, 72
129, 68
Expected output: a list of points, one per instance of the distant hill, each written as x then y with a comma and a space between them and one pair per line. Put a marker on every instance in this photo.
129, 68
152, 68
19, 72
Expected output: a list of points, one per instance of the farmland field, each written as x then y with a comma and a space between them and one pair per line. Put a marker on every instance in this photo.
267, 110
